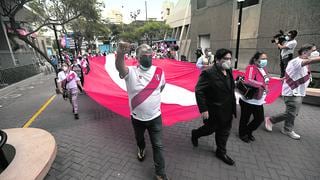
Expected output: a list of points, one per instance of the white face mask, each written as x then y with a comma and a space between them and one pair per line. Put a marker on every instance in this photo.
226, 65
314, 54
287, 38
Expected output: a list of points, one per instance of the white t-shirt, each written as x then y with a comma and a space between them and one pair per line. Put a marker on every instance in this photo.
136, 80
291, 45
292, 86
71, 84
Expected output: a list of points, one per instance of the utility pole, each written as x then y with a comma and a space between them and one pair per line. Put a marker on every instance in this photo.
145, 2
238, 34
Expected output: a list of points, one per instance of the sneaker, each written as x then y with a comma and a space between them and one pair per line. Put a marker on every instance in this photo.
141, 154
268, 124
291, 134
76, 116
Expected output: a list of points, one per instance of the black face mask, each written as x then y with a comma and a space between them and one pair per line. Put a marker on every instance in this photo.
146, 61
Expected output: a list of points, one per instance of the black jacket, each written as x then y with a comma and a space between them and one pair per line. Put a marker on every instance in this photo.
213, 93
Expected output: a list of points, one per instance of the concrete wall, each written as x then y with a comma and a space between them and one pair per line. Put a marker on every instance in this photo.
304, 16
214, 20
259, 23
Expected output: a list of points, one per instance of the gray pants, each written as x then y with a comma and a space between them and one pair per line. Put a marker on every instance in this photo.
73, 98
293, 104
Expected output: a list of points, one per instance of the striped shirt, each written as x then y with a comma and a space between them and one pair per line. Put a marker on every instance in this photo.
297, 78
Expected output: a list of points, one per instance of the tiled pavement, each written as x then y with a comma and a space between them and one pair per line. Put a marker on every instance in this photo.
101, 145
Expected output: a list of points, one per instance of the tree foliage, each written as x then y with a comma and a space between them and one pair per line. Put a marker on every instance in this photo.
46, 13
136, 31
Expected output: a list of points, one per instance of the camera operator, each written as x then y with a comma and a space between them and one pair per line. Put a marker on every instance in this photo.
287, 50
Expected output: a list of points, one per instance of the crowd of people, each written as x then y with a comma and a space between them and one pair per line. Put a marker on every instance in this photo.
215, 96
214, 92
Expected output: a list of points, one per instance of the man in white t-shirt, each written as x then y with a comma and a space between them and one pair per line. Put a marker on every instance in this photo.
68, 82
297, 78
144, 85
287, 50
205, 61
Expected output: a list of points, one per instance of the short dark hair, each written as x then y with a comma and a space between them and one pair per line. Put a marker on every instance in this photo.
256, 57
305, 47
293, 33
220, 53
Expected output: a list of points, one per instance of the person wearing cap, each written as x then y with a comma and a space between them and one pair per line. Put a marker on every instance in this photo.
144, 83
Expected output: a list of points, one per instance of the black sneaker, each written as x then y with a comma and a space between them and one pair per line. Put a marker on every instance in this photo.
76, 116
194, 139
141, 154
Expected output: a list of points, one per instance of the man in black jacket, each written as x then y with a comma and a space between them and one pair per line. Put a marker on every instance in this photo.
216, 102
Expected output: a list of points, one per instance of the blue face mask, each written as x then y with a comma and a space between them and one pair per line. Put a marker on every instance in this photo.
263, 63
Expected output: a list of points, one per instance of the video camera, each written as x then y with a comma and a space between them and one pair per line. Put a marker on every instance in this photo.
281, 37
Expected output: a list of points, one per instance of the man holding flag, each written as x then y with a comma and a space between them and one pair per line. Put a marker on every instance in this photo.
144, 86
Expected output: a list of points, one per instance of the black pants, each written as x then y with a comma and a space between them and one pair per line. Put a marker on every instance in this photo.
154, 128
222, 130
283, 64
246, 127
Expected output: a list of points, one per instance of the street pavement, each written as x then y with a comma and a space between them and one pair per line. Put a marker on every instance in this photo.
101, 144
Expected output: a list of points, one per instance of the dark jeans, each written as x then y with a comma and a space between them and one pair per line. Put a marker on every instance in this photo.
222, 131
283, 64
246, 111
154, 128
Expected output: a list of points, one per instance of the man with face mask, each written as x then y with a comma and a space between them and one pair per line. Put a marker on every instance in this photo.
287, 50
217, 103
205, 61
144, 85
297, 79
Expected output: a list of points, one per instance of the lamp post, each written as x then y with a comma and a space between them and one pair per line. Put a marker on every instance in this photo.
238, 34
145, 3
58, 45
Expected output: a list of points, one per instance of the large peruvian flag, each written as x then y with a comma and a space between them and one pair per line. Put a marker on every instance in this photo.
104, 85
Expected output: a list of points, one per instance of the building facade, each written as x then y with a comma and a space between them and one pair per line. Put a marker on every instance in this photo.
214, 25
17, 59
179, 20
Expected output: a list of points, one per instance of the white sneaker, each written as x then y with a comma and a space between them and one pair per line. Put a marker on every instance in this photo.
268, 124
291, 134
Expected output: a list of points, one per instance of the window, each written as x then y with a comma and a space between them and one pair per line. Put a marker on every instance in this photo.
201, 4
168, 11
248, 3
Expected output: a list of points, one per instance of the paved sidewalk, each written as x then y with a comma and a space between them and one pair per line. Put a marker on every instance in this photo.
101, 145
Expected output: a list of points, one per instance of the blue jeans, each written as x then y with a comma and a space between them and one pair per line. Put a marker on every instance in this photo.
154, 128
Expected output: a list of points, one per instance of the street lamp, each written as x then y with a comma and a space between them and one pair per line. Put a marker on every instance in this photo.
238, 34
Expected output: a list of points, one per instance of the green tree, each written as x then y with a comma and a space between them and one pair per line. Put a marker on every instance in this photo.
46, 14
153, 30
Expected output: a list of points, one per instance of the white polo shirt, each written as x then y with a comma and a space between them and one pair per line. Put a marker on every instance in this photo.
136, 80
71, 84
298, 79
